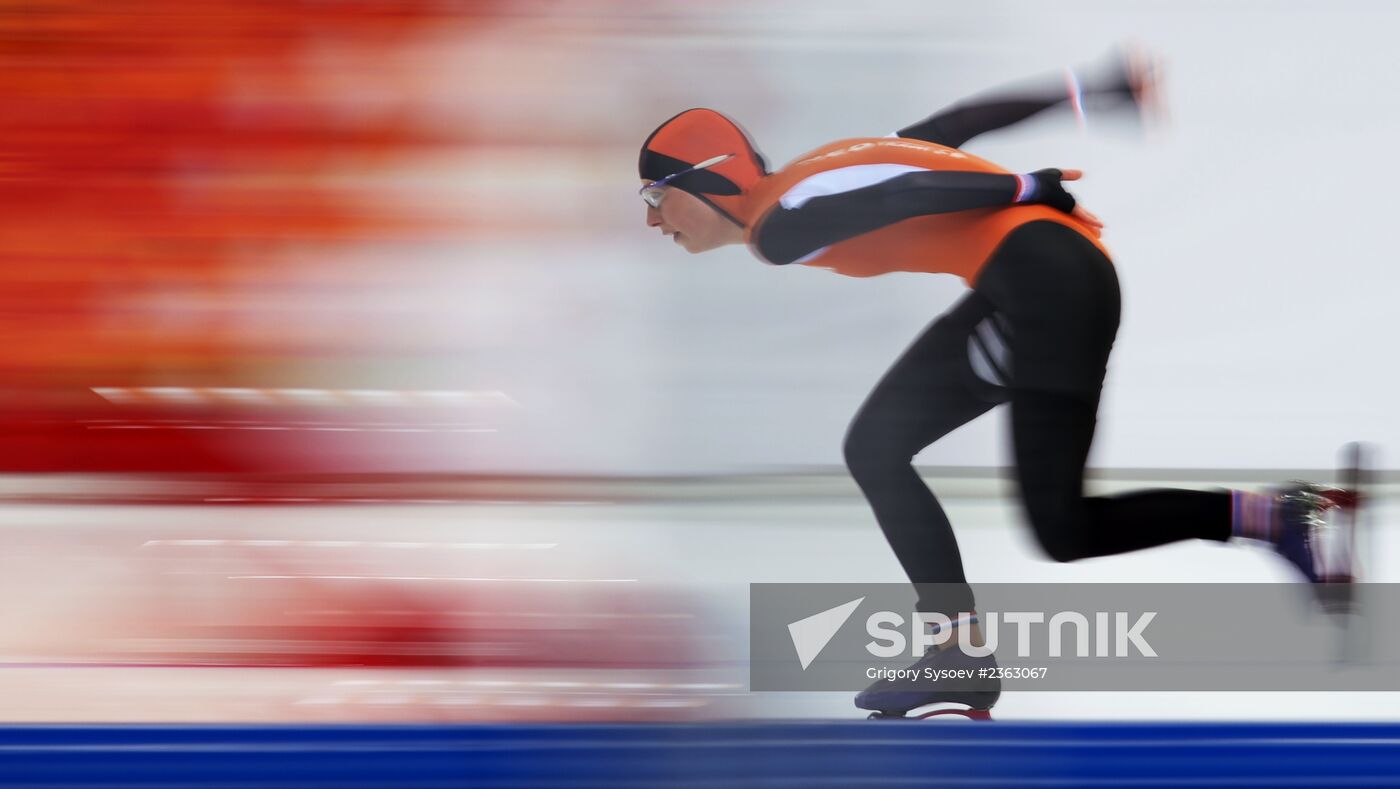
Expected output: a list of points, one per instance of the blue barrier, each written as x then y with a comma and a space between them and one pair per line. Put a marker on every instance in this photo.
758, 754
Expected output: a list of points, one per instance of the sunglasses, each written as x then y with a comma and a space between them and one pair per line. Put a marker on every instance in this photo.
654, 191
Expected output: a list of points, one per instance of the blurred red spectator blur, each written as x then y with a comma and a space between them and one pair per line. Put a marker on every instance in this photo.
157, 162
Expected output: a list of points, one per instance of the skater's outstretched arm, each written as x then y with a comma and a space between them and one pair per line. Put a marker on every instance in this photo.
1124, 82
802, 224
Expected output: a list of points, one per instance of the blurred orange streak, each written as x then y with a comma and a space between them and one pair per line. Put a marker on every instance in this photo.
174, 147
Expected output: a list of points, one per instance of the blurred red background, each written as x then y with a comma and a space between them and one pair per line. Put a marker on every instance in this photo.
160, 163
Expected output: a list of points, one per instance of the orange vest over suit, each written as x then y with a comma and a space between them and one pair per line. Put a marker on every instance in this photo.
953, 243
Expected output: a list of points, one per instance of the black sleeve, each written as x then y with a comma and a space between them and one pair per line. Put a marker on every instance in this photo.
1104, 87
785, 235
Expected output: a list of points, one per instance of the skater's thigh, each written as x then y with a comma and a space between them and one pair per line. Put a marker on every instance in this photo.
931, 389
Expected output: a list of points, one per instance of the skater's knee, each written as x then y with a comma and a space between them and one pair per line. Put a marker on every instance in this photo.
861, 457
868, 449
1062, 552
1060, 520
1061, 544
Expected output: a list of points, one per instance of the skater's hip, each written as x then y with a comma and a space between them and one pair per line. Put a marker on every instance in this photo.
1059, 296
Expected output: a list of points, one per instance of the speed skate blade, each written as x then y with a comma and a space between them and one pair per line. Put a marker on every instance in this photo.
976, 715
1336, 548
1340, 597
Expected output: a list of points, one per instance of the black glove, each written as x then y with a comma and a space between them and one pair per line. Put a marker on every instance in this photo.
1049, 191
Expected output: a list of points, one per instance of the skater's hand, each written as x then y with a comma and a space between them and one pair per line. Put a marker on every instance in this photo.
1051, 192
1144, 73
1095, 224
1080, 211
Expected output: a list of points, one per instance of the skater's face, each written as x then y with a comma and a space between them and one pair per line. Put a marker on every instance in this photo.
690, 222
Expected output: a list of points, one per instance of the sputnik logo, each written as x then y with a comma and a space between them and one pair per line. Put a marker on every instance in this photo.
811, 635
